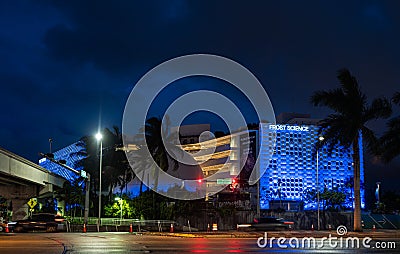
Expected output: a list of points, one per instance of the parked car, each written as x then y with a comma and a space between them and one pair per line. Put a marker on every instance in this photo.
41, 221
271, 223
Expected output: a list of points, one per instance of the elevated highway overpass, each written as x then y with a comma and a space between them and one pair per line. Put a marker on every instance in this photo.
21, 180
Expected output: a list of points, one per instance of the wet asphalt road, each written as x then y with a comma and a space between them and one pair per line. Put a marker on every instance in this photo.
45, 243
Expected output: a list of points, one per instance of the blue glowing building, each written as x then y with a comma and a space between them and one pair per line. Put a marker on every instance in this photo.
292, 170
70, 154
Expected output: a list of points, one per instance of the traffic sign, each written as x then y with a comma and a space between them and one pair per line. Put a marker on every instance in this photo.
32, 203
224, 181
83, 173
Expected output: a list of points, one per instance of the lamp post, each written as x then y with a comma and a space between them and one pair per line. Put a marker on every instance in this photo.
120, 200
99, 137
320, 138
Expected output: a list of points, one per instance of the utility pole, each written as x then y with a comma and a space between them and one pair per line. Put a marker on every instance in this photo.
258, 198
87, 190
50, 143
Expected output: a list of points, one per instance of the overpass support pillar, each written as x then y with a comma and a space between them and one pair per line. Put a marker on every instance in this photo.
18, 195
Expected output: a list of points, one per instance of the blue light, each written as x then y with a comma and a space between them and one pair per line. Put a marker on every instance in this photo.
291, 171
70, 155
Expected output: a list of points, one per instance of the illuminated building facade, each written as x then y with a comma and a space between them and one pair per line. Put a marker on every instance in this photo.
290, 173
292, 170
70, 154
221, 168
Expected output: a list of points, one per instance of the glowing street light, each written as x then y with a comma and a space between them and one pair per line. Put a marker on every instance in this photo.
99, 137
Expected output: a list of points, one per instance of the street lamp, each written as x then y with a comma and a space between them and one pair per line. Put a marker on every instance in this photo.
120, 200
99, 137
320, 138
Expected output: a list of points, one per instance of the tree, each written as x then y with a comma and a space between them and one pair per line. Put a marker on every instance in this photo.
349, 187
156, 137
89, 153
114, 209
391, 200
73, 195
116, 170
158, 140
332, 199
390, 141
141, 164
144, 204
348, 123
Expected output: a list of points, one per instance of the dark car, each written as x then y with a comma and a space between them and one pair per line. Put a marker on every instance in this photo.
271, 223
42, 221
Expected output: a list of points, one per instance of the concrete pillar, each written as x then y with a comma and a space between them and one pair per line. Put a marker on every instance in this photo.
18, 195
61, 207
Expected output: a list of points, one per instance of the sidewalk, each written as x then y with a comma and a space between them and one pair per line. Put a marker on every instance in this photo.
287, 234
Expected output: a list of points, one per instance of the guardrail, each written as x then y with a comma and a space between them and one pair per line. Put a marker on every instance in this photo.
159, 225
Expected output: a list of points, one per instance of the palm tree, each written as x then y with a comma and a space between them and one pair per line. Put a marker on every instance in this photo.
115, 168
154, 136
89, 153
347, 124
390, 141
73, 195
154, 133
141, 164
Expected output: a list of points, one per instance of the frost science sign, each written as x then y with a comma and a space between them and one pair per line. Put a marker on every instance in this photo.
284, 127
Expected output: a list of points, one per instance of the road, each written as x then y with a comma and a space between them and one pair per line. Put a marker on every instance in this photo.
59, 243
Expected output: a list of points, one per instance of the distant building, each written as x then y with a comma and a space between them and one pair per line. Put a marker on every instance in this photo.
222, 166
290, 172
189, 134
71, 156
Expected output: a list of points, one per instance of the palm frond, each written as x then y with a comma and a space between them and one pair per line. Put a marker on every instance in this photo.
334, 99
370, 140
379, 108
396, 98
390, 141
348, 83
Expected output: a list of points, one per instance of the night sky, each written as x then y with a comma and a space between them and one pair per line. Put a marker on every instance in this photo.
67, 67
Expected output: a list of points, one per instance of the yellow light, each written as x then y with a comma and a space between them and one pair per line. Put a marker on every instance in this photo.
217, 155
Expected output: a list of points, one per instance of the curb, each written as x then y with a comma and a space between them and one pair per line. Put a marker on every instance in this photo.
277, 234
184, 235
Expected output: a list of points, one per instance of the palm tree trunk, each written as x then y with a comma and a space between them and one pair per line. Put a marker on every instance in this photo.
124, 183
157, 173
141, 184
357, 197
154, 196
